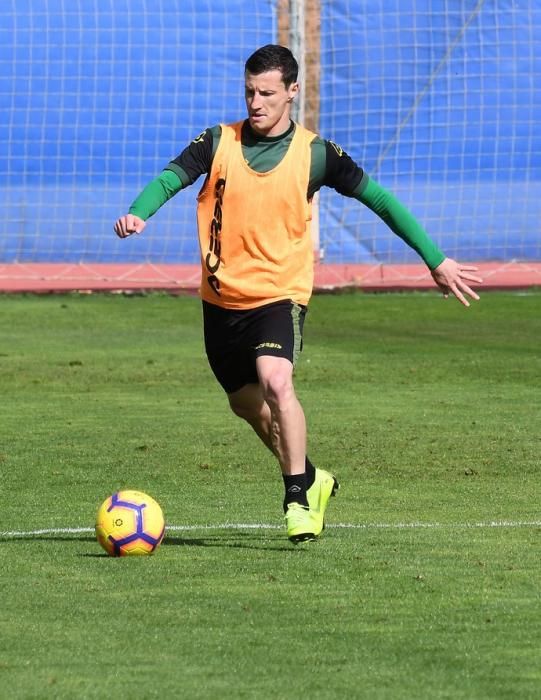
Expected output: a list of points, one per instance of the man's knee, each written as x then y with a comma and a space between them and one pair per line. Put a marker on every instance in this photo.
277, 383
240, 410
247, 403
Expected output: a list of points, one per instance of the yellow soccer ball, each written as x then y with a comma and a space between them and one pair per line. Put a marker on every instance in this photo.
129, 523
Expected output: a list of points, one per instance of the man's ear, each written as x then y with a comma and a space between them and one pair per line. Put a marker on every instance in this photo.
293, 91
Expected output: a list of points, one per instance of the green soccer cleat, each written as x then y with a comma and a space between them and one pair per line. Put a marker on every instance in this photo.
324, 486
299, 523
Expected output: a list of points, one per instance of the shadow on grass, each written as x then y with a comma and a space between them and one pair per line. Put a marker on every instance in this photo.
240, 541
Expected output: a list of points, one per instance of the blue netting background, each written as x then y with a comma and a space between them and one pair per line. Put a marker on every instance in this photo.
440, 105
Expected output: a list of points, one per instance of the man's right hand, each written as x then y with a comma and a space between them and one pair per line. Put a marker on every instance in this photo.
129, 224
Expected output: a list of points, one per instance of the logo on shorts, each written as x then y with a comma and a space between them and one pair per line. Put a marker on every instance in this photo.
275, 346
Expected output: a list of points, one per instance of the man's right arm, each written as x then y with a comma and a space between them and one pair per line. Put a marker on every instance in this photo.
184, 170
156, 194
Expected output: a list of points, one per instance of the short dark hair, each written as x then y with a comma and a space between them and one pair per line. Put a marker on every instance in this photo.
274, 57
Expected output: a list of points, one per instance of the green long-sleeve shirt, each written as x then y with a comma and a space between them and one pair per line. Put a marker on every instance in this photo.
330, 166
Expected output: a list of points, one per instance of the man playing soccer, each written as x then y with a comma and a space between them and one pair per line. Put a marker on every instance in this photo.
253, 217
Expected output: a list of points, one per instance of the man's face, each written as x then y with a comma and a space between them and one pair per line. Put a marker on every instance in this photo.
268, 102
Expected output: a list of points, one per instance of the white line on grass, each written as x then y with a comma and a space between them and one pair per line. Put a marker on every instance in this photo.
266, 526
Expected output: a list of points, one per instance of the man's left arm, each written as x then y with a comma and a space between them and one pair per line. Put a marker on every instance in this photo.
333, 167
450, 276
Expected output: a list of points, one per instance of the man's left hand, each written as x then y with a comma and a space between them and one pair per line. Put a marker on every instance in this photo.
451, 276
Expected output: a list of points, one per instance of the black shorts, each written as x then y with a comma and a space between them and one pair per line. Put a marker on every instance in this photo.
233, 339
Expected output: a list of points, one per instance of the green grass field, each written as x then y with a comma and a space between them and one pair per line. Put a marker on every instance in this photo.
426, 583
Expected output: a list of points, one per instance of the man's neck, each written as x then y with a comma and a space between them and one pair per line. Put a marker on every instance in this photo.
253, 135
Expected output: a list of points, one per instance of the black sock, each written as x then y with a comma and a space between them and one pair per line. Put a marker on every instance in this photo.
310, 473
295, 485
